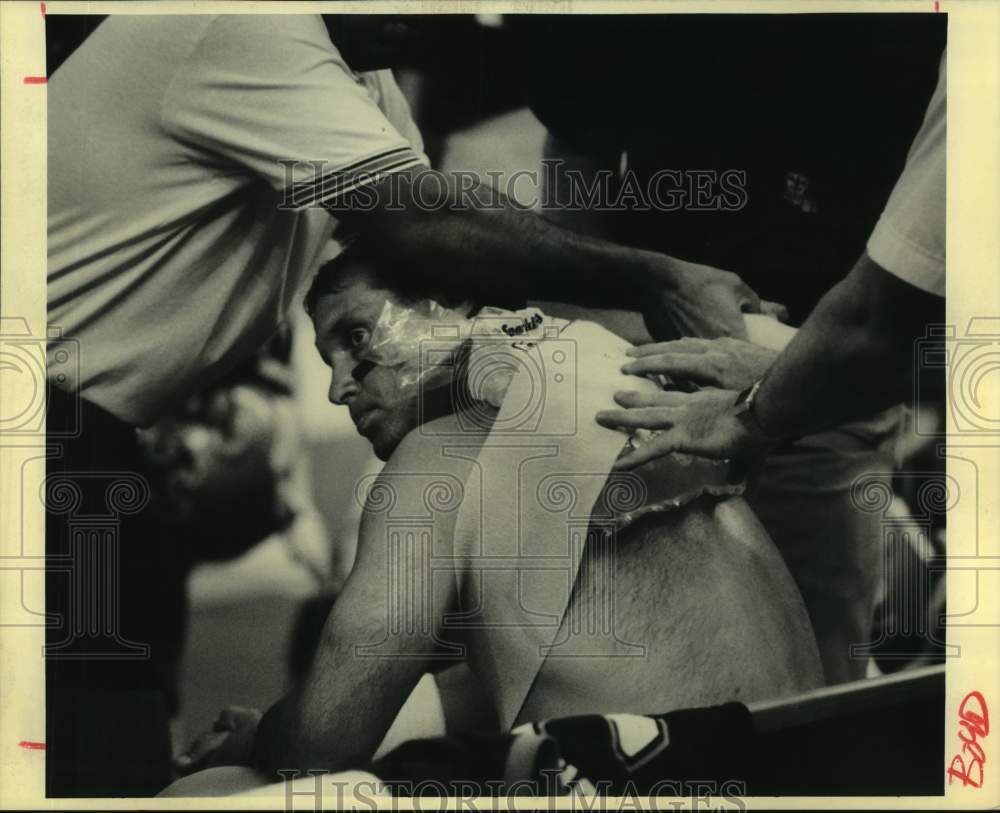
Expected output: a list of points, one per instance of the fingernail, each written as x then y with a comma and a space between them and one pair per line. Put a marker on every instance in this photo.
184, 759
628, 367
632, 351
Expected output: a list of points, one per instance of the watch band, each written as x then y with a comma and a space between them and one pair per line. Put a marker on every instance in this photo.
745, 412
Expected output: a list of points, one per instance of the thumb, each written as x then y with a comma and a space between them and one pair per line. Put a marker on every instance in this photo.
235, 718
659, 446
748, 299
229, 718
775, 309
192, 759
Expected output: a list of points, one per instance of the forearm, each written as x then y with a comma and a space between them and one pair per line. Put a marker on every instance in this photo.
853, 356
479, 232
338, 718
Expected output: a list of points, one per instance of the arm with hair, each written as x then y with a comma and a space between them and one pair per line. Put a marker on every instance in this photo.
476, 232
853, 356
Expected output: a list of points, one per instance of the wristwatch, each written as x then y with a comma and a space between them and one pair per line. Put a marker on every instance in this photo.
745, 412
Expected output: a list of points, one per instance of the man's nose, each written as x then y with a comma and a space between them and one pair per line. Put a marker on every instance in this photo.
343, 384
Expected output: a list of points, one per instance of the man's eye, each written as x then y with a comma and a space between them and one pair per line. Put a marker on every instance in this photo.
357, 337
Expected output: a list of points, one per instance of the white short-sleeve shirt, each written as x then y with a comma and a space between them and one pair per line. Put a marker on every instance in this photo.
187, 158
909, 239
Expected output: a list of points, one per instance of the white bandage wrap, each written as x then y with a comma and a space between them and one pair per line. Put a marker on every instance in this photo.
540, 470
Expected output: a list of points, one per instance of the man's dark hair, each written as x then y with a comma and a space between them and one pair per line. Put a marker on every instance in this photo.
332, 273
409, 281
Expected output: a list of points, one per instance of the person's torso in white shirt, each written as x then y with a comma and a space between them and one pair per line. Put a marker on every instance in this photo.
170, 259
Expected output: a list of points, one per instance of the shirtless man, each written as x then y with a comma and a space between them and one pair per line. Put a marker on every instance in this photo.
704, 610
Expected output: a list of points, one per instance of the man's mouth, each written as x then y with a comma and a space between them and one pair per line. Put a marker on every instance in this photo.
364, 421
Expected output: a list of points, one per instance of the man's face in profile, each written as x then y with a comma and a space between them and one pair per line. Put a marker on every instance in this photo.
345, 318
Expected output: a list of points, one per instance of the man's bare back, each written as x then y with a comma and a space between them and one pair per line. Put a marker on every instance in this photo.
698, 604
689, 607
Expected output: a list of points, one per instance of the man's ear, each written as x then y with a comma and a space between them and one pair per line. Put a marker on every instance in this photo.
468, 308
465, 307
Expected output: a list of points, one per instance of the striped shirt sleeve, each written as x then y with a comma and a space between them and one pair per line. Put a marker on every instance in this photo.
272, 97
327, 187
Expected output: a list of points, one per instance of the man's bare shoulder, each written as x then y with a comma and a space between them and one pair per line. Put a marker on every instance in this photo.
430, 468
429, 477
441, 444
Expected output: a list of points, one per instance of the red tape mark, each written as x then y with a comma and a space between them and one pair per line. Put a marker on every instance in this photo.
32, 746
37, 80
937, 5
